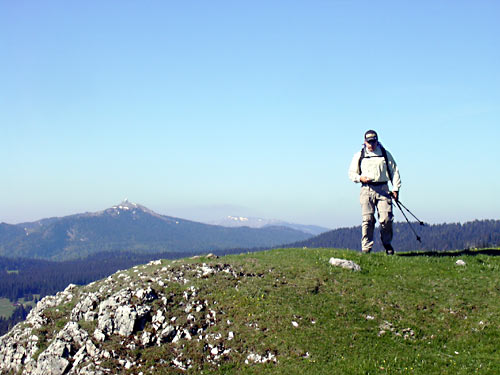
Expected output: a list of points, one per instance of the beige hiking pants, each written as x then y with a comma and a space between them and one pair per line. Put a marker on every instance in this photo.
378, 197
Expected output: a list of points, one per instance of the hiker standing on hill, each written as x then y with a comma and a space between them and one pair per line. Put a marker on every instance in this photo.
374, 167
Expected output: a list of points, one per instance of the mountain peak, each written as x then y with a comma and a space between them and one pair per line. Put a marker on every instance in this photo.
126, 205
130, 226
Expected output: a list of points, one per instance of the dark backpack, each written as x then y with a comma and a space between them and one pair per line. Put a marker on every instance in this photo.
384, 155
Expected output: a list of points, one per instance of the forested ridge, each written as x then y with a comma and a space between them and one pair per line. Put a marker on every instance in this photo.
436, 237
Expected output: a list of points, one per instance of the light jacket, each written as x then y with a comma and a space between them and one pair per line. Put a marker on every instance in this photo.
373, 166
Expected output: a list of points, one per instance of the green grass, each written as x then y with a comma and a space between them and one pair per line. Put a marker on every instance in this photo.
451, 314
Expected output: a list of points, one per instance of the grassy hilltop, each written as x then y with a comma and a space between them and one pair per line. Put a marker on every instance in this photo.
421, 315
294, 311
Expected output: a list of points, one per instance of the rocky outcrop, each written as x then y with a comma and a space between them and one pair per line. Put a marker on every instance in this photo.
77, 330
55, 359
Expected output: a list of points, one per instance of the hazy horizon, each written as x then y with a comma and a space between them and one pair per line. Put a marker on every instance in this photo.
209, 220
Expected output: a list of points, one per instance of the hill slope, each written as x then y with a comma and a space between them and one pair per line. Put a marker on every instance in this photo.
277, 312
130, 227
439, 237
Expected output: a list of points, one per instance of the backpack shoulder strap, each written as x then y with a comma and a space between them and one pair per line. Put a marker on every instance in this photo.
361, 156
384, 154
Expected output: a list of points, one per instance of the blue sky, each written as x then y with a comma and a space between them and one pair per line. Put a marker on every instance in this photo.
205, 109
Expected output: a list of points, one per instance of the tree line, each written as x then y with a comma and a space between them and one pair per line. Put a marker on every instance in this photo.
437, 237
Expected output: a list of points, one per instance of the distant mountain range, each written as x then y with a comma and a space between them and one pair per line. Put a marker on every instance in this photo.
256, 222
131, 227
437, 237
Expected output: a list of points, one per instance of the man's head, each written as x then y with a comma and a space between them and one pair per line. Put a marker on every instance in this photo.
371, 140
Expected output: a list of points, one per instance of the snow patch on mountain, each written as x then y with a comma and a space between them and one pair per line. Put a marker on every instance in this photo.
257, 222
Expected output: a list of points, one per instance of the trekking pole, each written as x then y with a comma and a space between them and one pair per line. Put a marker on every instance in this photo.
411, 213
408, 221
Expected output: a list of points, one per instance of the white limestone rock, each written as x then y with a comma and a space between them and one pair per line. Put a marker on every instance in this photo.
347, 264
55, 359
125, 317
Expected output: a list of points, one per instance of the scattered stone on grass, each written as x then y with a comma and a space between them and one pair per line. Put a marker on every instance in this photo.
344, 263
406, 333
257, 358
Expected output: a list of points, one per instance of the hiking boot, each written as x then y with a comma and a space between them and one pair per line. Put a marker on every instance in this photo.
389, 250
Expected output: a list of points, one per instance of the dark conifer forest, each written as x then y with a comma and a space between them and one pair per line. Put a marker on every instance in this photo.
437, 237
